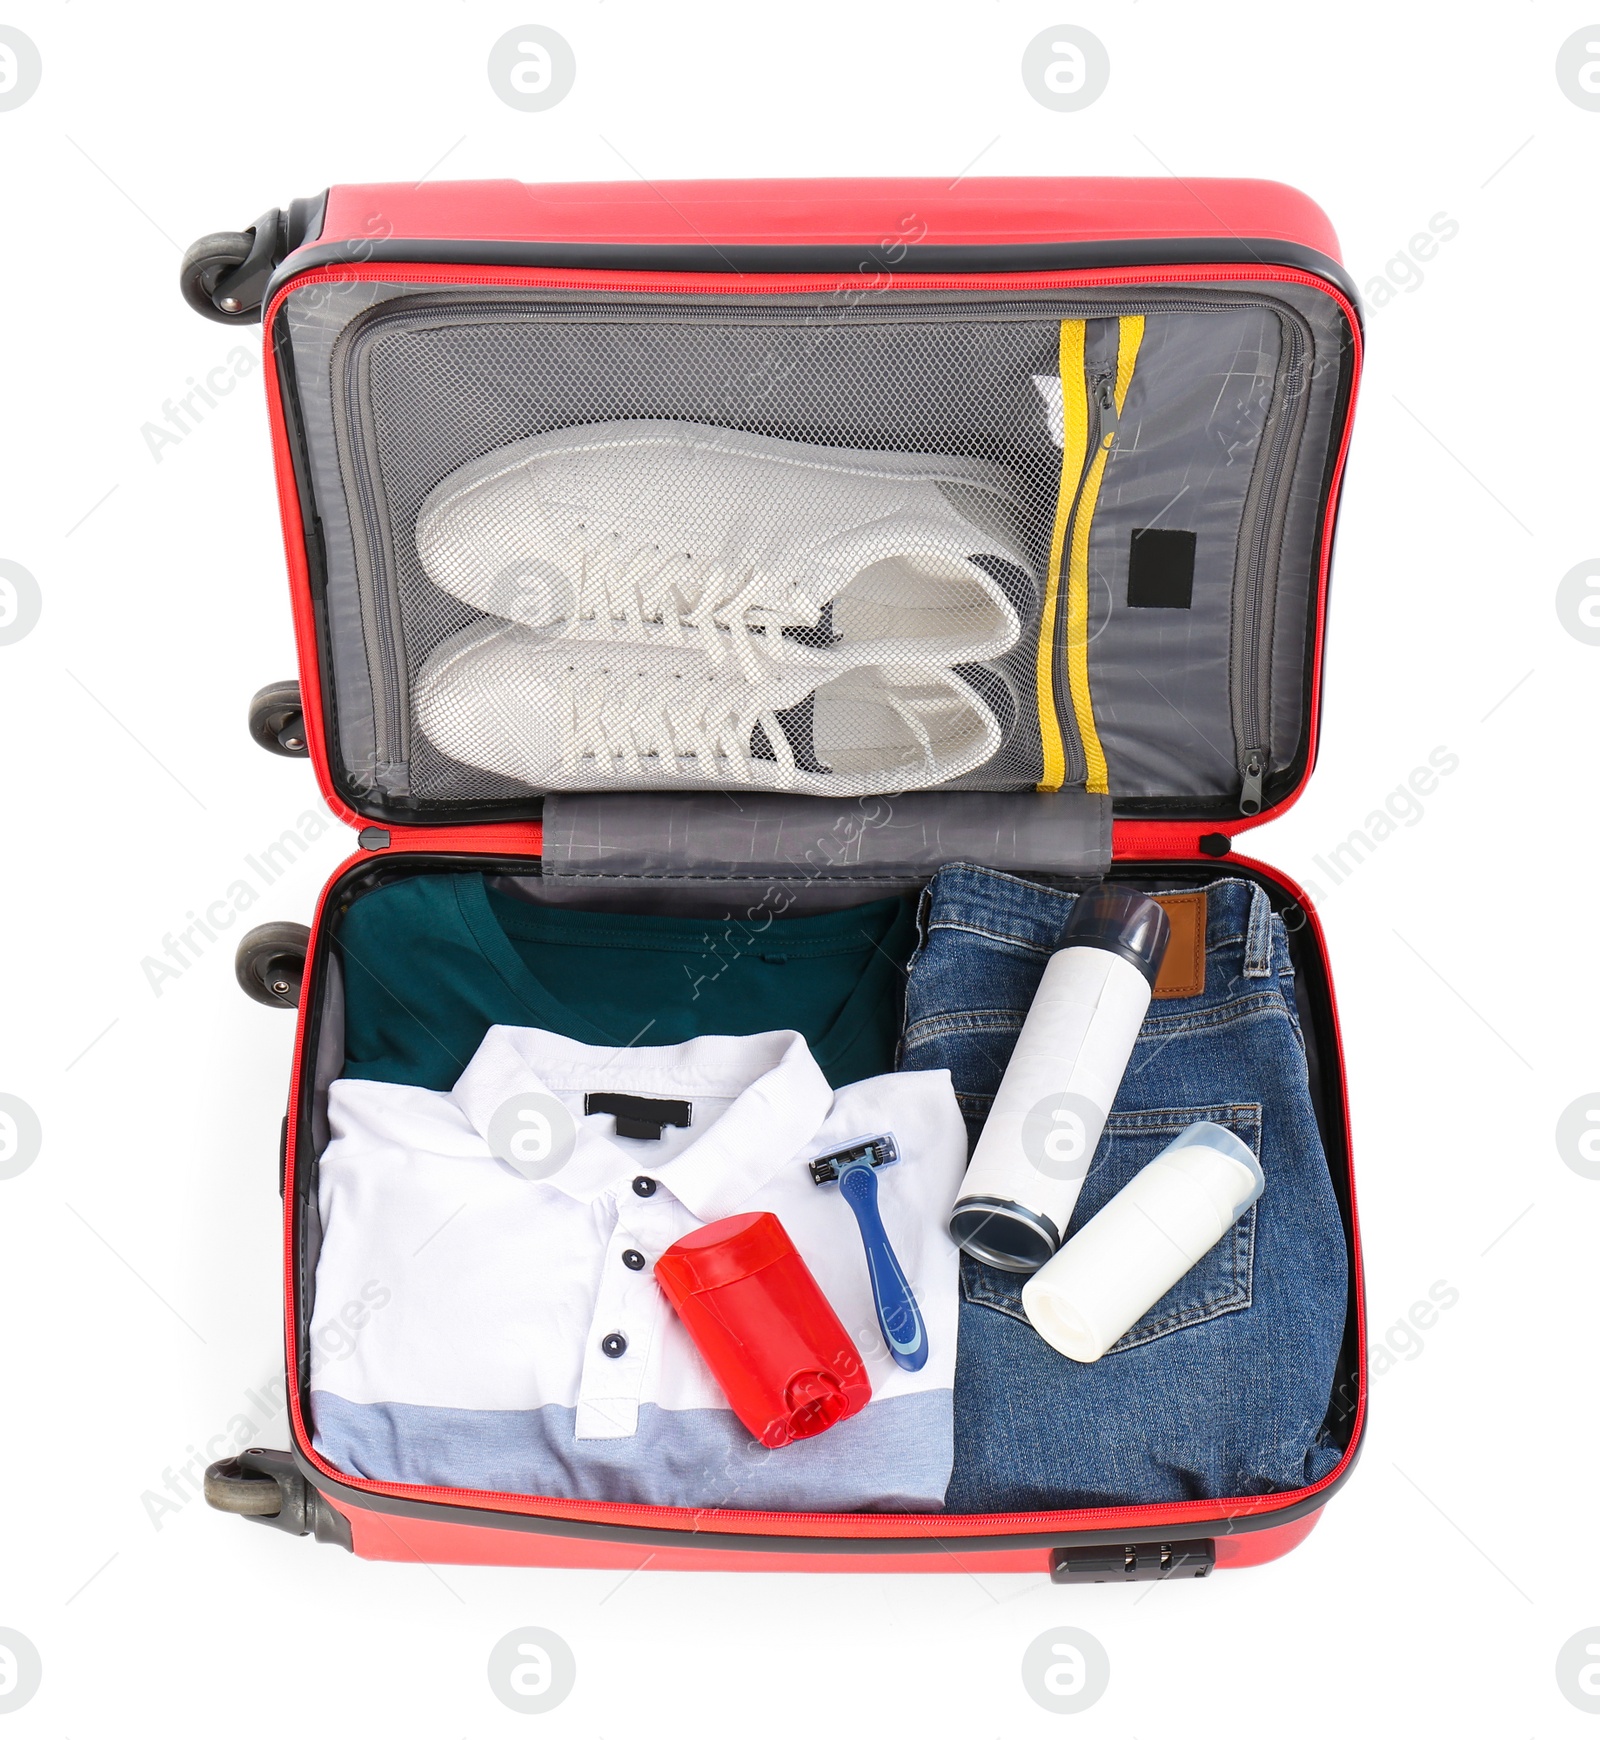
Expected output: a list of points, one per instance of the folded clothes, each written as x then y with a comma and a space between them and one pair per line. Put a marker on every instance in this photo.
431, 963
500, 1328
1222, 1388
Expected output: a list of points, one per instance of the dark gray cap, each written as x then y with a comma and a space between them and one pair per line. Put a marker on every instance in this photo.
1112, 916
1005, 1235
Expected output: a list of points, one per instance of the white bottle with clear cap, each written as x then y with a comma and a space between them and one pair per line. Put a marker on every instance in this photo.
1040, 1136
1145, 1239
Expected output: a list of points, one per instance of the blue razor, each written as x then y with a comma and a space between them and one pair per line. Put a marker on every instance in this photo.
854, 1170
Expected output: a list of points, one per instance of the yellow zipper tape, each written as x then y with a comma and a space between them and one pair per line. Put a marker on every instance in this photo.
1074, 450
1130, 334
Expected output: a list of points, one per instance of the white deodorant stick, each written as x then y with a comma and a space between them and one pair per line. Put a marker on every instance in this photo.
1145, 1239
1041, 1132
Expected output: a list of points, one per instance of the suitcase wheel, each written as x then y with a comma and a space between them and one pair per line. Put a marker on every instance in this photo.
206, 264
276, 720
270, 962
231, 1488
225, 275
267, 1487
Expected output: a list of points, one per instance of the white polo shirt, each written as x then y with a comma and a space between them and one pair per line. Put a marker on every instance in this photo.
479, 1327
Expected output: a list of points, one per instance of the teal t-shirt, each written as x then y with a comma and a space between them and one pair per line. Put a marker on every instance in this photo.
431, 963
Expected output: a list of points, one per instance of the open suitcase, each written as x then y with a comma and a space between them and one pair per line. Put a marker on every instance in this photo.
1017, 323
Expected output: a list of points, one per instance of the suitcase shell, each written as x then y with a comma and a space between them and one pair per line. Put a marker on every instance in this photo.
733, 238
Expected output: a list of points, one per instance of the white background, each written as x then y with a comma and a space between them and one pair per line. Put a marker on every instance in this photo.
139, 1271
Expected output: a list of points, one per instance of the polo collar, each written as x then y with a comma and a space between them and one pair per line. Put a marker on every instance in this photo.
780, 1099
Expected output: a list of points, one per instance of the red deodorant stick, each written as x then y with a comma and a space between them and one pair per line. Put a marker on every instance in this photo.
762, 1324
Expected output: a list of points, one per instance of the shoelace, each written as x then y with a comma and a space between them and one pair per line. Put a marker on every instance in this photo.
643, 588
712, 722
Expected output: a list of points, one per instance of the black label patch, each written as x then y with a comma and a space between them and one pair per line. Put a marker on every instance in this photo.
638, 1117
1160, 569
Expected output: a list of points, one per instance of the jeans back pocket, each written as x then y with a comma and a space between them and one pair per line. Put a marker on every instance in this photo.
1219, 1283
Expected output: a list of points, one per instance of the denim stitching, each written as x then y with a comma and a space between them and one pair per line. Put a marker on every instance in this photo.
924, 907
1260, 911
1215, 944
1291, 1010
1177, 1121
1162, 1027
1238, 1296
1258, 944
1219, 1015
964, 1021
995, 936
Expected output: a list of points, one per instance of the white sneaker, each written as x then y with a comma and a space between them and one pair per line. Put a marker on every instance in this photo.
672, 533
575, 716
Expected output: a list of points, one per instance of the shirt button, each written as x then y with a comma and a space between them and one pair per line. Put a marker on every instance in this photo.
614, 1346
633, 1259
644, 1186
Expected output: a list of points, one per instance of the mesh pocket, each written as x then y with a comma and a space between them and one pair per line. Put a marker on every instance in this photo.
784, 547
669, 604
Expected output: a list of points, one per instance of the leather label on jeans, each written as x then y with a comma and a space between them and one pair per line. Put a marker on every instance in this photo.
1183, 969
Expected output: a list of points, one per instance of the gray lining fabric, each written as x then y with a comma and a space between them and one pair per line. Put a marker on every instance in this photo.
330, 1049
1160, 678
1191, 430
675, 836
1182, 460
1301, 551
316, 316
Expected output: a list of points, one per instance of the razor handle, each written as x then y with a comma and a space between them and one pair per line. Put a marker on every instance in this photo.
899, 1317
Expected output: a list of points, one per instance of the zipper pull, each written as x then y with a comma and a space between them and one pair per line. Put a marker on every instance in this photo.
1253, 771
1105, 396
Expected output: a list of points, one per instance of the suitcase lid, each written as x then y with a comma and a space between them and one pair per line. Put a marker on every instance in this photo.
1012, 505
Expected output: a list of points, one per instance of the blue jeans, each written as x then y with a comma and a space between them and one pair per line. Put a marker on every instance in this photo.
1221, 1390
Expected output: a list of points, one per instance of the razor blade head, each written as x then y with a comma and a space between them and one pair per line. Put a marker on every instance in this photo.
874, 1151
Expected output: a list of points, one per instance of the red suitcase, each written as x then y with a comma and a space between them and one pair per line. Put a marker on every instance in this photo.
470, 256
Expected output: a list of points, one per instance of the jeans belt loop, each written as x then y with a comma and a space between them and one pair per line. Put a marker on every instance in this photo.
1258, 935
924, 911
